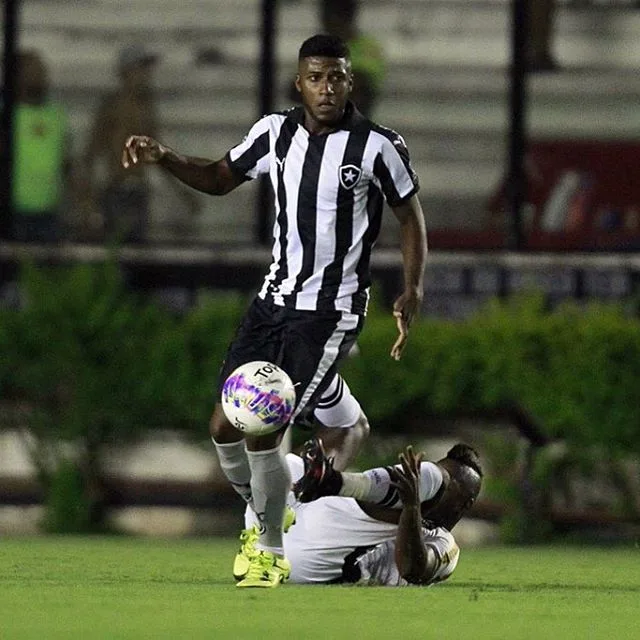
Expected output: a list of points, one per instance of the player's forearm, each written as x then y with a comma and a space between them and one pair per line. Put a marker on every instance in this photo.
415, 561
413, 242
198, 173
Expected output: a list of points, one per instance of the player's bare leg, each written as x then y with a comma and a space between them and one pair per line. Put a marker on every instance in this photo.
343, 443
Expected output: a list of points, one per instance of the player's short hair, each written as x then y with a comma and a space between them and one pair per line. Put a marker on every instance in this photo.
325, 45
464, 454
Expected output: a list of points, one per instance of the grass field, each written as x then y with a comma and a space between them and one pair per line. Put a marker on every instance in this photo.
119, 587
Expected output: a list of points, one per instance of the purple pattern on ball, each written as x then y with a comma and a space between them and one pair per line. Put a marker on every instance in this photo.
266, 404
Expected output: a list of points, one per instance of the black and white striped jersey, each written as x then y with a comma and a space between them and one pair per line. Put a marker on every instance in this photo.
329, 193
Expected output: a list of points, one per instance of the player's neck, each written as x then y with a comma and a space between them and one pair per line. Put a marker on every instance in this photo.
316, 128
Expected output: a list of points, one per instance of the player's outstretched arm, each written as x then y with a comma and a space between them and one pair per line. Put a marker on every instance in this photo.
416, 562
413, 241
208, 176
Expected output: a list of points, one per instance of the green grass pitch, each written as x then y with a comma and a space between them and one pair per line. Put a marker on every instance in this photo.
121, 587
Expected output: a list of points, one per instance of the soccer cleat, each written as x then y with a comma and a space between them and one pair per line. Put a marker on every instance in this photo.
248, 539
247, 551
320, 478
266, 570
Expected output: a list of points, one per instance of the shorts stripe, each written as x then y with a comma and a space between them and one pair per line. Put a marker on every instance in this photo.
347, 322
335, 397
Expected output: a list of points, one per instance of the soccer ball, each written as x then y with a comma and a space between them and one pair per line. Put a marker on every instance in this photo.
258, 398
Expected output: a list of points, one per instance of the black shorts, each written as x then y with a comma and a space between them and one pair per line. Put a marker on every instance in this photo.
308, 345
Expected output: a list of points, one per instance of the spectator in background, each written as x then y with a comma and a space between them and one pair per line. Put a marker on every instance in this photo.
41, 154
123, 196
340, 18
541, 26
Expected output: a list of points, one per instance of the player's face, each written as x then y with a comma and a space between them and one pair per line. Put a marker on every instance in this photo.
324, 85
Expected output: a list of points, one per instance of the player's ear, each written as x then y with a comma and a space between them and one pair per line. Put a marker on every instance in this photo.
350, 81
297, 83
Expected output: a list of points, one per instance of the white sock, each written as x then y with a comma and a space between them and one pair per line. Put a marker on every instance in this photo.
375, 485
270, 484
356, 485
235, 465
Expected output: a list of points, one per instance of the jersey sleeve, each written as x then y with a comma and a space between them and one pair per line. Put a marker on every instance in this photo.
393, 169
250, 158
384, 493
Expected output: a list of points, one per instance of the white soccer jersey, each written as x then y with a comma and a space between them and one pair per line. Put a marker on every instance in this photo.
329, 191
329, 530
378, 565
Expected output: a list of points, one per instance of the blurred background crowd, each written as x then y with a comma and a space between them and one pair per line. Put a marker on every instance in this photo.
439, 71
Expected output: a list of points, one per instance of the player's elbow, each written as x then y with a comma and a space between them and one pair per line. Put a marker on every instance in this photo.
420, 571
418, 577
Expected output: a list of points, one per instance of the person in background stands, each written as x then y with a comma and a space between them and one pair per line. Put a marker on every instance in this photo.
540, 58
124, 196
41, 155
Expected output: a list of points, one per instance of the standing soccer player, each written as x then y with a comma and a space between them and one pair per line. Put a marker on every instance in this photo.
331, 170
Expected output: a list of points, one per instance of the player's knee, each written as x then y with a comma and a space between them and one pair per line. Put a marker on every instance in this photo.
359, 431
362, 427
221, 430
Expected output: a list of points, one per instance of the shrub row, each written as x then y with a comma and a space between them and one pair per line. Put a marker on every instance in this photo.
108, 364
575, 369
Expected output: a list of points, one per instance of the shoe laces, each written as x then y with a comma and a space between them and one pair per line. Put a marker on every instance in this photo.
260, 565
248, 537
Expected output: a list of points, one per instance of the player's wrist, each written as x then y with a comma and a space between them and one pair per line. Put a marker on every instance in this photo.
411, 504
166, 156
414, 289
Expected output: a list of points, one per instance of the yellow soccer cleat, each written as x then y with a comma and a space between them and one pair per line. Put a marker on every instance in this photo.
248, 539
266, 570
247, 551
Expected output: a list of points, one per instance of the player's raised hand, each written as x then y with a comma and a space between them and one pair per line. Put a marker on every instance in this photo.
142, 150
407, 479
405, 309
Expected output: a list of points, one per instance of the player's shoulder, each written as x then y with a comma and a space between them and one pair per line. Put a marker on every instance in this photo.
275, 119
294, 111
389, 136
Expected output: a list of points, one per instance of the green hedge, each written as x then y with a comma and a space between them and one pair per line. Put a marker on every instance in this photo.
109, 365
105, 359
576, 369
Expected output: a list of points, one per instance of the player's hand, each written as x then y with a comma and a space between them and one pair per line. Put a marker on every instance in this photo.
407, 478
142, 150
405, 309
